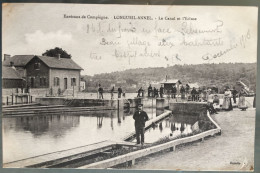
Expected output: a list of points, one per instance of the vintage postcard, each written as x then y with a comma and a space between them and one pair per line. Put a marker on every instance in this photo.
129, 86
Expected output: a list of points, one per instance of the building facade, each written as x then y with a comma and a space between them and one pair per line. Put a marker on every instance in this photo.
58, 75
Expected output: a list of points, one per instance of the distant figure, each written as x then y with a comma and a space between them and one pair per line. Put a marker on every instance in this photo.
161, 91
193, 94
119, 92
124, 94
140, 91
100, 91
216, 102
150, 91
182, 90
234, 93
242, 101
227, 105
174, 91
211, 108
187, 89
155, 92
140, 118
208, 92
112, 93
204, 95
199, 95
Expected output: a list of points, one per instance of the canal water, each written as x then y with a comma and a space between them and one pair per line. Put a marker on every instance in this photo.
30, 136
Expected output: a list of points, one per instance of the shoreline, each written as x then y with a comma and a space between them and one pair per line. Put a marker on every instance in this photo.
235, 145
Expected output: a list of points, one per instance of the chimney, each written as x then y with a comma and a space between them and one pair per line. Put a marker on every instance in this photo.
6, 56
58, 55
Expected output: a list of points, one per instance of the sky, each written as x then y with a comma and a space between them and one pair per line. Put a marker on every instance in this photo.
214, 35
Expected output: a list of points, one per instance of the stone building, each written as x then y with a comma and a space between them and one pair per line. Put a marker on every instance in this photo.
53, 73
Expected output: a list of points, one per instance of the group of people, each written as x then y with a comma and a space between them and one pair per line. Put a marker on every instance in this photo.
227, 104
227, 100
141, 117
184, 91
152, 92
119, 92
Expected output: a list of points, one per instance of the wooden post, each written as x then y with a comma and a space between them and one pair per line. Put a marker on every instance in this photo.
133, 162
7, 100
152, 107
117, 104
15, 99
173, 148
73, 90
12, 98
31, 99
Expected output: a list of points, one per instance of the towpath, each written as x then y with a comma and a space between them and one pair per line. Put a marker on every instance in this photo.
233, 150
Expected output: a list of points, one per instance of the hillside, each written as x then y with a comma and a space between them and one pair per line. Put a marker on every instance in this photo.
221, 75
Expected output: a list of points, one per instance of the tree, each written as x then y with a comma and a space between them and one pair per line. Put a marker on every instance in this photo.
54, 53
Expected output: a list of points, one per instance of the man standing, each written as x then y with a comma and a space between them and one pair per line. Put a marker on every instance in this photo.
174, 91
182, 90
139, 92
100, 91
234, 93
140, 118
119, 92
154, 92
112, 93
161, 91
193, 94
150, 90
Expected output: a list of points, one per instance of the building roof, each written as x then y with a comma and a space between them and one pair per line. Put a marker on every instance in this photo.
10, 73
18, 60
173, 81
62, 63
52, 62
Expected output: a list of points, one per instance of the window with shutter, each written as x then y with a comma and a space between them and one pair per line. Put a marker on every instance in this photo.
58, 81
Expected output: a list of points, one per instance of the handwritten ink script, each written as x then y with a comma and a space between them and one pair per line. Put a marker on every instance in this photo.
171, 38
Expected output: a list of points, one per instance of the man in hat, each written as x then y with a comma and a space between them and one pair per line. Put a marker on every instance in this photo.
100, 91
193, 94
234, 94
140, 118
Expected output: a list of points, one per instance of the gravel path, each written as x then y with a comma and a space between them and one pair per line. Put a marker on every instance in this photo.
233, 150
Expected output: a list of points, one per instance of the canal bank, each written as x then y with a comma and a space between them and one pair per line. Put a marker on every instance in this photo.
233, 150
32, 124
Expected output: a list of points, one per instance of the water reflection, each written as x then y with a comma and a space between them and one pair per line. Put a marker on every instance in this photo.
55, 125
99, 121
159, 111
173, 126
49, 133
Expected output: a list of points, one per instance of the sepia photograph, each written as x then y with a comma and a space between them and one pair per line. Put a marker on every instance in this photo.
129, 87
